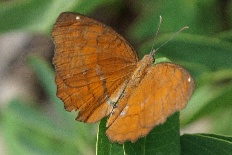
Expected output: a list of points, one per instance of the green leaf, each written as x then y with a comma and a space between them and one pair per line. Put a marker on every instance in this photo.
194, 49
104, 145
205, 144
40, 15
222, 137
30, 15
218, 87
163, 139
222, 123
148, 19
175, 15
27, 129
227, 36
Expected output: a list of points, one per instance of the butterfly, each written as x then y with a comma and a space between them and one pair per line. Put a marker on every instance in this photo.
98, 74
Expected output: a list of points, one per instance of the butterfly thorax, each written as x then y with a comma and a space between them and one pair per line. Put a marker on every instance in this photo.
137, 76
141, 69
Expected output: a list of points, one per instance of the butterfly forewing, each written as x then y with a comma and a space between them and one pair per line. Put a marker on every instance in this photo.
91, 62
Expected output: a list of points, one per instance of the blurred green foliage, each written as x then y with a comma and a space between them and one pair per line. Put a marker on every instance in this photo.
205, 49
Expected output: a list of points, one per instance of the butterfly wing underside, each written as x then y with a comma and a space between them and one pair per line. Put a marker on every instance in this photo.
92, 64
165, 89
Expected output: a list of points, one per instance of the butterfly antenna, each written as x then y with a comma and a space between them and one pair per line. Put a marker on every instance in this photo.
182, 29
154, 50
156, 34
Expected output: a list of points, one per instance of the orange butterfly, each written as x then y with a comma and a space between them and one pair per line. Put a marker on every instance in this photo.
98, 74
